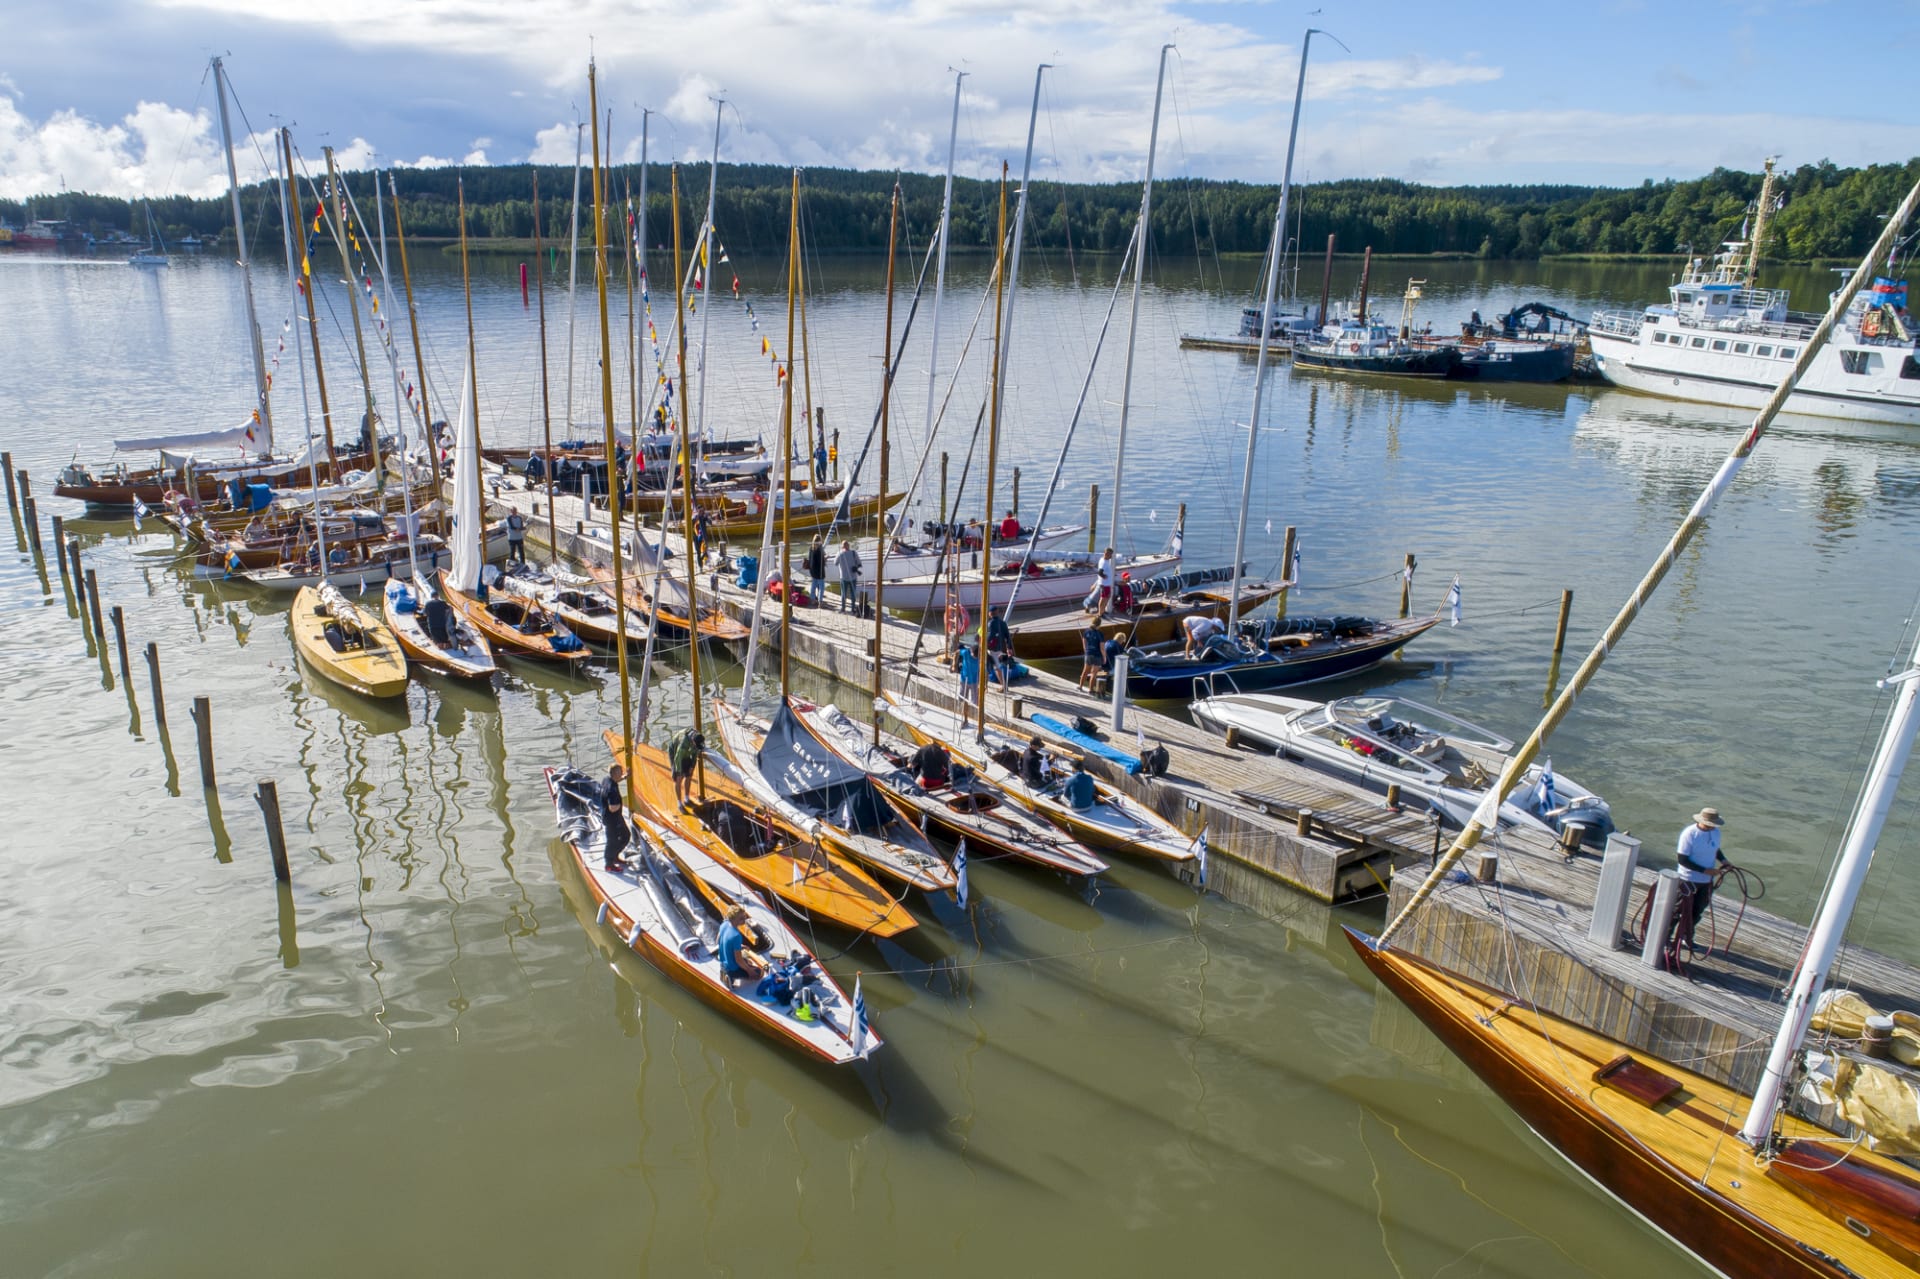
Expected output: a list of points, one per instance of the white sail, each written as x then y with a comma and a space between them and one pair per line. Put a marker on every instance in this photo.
468, 512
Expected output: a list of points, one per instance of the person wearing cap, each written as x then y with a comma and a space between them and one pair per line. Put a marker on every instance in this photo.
1123, 594
817, 570
1701, 863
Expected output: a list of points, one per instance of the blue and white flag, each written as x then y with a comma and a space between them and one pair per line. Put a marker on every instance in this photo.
1548, 801
1179, 540
1453, 601
1294, 568
363, 583
960, 874
139, 509
1200, 856
858, 1033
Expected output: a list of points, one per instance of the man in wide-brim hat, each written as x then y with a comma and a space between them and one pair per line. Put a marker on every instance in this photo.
1701, 864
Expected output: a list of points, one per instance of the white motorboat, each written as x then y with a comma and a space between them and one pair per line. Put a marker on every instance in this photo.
1047, 583
1436, 758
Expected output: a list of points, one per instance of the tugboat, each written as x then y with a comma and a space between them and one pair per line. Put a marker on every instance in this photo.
1360, 346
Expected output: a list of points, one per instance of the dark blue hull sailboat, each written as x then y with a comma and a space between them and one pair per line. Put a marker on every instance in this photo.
1308, 650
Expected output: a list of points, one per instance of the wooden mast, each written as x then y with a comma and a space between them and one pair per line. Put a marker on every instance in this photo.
614, 478
546, 390
336, 220
993, 447
686, 488
306, 288
886, 388
633, 345
785, 494
413, 328
473, 380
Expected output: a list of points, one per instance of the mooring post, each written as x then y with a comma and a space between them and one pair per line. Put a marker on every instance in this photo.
202, 713
1016, 490
1615, 886
1119, 691
1303, 823
1393, 796
93, 605
60, 547
1666, 895
73, 554
943, 487
1560, 629
1286, 566
153, 673
1406, 584
33, 527
26, 485
120, 641
13, 497
1093, 517
268, 797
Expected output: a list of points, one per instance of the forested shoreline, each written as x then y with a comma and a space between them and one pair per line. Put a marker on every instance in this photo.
1829, 212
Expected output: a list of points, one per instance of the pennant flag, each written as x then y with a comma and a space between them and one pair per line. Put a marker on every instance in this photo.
1453, 600
140, 508
858, 1032
1295, 566
960, 874
1200, 856
1153, 516
1269, 528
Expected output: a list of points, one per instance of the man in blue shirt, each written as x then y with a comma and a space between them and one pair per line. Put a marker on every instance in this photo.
737, 960
1700, 862
1080, 793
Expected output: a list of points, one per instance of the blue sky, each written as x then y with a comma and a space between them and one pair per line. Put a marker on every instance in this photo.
112, 97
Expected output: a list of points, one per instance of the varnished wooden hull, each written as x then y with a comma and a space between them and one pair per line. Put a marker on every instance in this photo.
1155, 622
505, 638
1680, 1164
715, 625
377, 670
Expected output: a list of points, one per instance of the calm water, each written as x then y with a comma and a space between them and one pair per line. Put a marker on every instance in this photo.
423, 1058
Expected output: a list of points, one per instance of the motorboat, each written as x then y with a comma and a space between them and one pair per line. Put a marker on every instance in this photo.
1433, 757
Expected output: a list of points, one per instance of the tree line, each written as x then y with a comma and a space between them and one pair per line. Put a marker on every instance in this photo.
1829, 212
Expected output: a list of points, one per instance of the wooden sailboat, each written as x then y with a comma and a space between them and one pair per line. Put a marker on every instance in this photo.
347, 644
669, 609
667, 906
1747, 1188
514, 625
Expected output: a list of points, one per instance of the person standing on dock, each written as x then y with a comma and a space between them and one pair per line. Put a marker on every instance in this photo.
700, 536
1093, 658
848, 562
516, 537
613, 817
968, 664
817, 570
1701, 863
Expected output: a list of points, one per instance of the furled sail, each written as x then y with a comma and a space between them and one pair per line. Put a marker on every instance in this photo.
469, 516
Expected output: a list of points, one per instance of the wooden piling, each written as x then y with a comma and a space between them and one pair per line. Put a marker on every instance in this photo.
93, 606
120, 641
1560, 629
153, 674
73, 555
1406, 585
1016, 490
202, 713
1093, 517
60, 547
33, 527
13, 497
1303, 823
26, 485
1286, 565
268, 797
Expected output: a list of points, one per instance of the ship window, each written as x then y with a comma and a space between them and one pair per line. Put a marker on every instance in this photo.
1787, 352
1686, 299
1719, 345
1741, 348
1910, 367
1659, 337
1766, 351
1699, 342
1856, 361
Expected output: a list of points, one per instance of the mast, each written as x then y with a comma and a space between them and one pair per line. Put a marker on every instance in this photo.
993, 449
785, 495
413, 328
288, 192
1133, 316
313, 320
686, 482
706, 287
639, 233
1004, 342
479, 535
886, 388
1483, 819
633, 342
573, 278
337, 222
546, 387
264, 412
1266, 328
940, 279
614, 502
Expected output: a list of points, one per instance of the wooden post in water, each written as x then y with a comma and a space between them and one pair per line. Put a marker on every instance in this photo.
120, 641
1560, 629
73, 554
1016, 490
93, 604
268, 797
26, 485
33, 526
1093, 517
60, 547
1406, 585
153, 673
13, 497
943, 486
202, 713
1286, 567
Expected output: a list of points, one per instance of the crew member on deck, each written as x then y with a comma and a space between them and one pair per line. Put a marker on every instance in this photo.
613, 816
1701, 864
932, 765
1080, 792
737, 959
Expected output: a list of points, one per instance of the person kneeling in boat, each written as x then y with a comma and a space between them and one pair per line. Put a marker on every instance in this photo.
1033, 764
1079, 792
613, 817
932, 765
737, 960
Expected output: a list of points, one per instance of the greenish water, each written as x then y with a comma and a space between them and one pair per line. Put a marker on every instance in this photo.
424, 1057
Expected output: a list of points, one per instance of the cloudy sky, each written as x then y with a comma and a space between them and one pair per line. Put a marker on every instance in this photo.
112, 96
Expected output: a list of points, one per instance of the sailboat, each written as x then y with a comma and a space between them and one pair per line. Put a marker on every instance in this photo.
784, 765
1746, 1187
155, 253
517, 626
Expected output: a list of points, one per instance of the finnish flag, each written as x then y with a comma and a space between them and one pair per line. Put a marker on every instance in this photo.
1295, 566
1453, 601
858, 1035
1548, 801
960, 874
1201, 856
139, 510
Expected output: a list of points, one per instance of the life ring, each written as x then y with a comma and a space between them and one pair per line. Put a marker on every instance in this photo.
958, 622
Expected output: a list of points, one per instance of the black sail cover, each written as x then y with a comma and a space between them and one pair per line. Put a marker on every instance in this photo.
804, 771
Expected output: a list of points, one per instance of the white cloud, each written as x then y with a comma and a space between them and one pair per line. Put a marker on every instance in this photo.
555, 145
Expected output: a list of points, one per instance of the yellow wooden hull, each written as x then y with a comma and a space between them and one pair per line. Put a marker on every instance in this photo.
373, 666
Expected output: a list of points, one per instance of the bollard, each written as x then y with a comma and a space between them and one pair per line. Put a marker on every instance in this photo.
153, 673
1560, 630
1666, 894
120, 641
1610, 894
268, 797
1303, 823
1093, 517
60, 547
33, 526
1233, 736
1119, 692
1406, 584
93, 606
13, 497
1393, 796
1286, 567
202, 714
1018, 711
